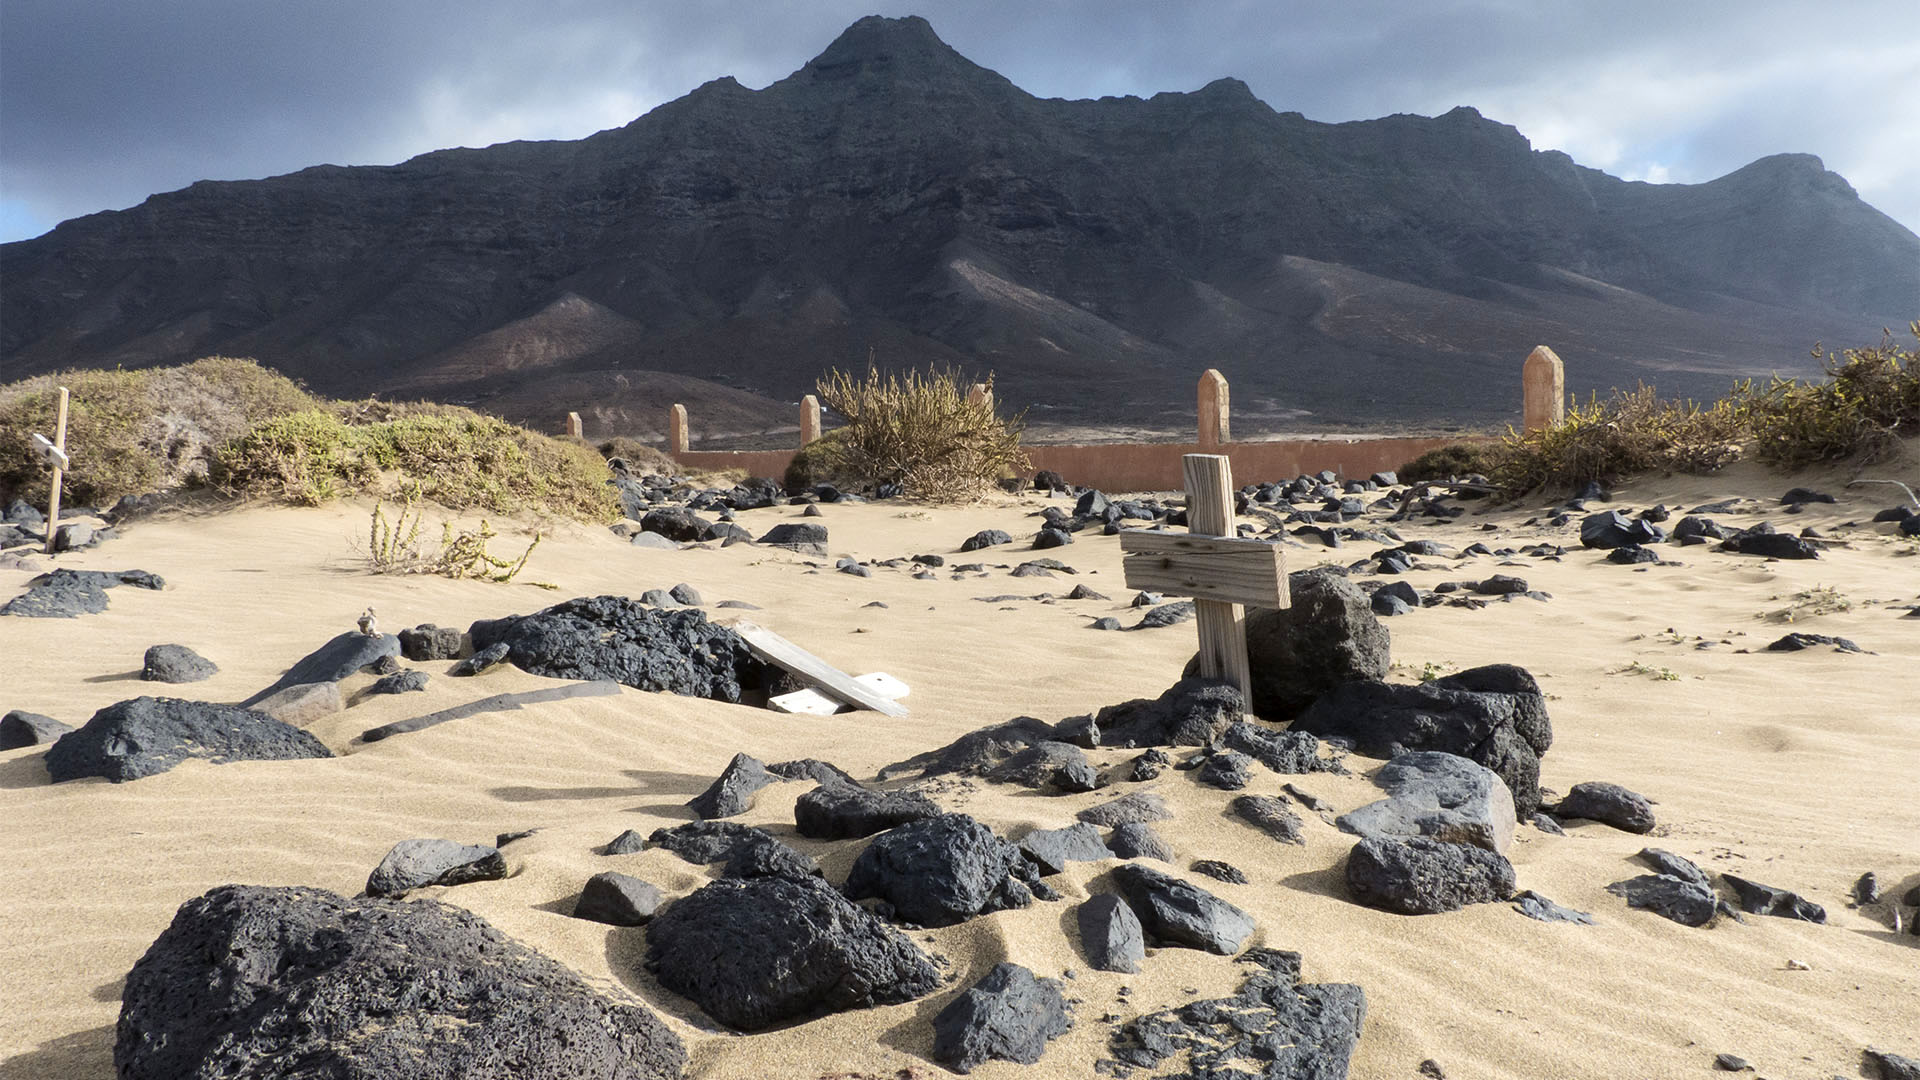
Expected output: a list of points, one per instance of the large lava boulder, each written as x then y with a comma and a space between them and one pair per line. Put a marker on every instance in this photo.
619, 638
842, 811
1192, 712
1443, 796
148, 735
254, 981
1493, 715
1424, 876
1010, 1015
755, 952
940, 871
1328, 636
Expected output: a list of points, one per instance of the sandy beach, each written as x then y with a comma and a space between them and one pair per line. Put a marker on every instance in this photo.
1795, 769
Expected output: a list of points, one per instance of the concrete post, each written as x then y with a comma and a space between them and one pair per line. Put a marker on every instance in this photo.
677, 430
574, 427
1543, 389
980, 395
809, 419
1215, 429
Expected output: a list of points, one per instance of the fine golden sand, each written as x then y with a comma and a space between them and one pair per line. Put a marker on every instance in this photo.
1798, 770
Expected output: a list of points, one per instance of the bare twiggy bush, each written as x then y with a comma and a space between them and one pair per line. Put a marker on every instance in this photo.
920, 432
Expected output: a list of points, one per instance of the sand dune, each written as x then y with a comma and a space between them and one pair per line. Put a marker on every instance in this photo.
1798, 770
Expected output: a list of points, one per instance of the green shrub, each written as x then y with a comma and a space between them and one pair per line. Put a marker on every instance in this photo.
920, 432
133, 432
1625, 435
1870, 401
1451, 461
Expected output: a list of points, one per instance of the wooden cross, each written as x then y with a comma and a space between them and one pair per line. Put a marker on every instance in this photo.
1214, 566
55, 454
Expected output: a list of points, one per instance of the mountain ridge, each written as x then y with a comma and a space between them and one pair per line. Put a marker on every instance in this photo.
891, 194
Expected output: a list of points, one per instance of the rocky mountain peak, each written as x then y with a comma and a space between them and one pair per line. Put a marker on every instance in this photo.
904, 49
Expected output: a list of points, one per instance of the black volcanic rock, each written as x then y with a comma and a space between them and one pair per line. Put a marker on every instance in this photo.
618, 638
1275, 1028
892, 186
1494, 715
756, 952
940, 871
254, 981
1010, 1015
146, 735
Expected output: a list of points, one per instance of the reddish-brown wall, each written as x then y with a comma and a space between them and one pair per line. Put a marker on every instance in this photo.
1151, 466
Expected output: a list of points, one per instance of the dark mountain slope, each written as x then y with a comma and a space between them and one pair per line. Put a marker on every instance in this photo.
891, 194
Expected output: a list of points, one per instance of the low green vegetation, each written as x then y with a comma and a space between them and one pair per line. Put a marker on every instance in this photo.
1867, 404
242, 429
1452, 461
132, 432
1869, 401
459, 459
641, 459
1625, 435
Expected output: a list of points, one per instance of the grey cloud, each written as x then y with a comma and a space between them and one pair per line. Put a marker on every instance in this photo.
107, 103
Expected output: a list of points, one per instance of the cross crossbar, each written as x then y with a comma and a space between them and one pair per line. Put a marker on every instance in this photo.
1231, 571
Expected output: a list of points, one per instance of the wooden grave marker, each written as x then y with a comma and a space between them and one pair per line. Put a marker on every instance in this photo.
55, 454
1220, 571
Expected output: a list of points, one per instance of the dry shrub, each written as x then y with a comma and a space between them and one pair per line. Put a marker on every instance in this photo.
1625, 435
133, 432
1451, 462
822, 461
1869, 403
919, 432
641, 459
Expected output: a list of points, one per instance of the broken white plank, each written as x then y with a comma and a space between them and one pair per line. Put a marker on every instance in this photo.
811, 702
775, 649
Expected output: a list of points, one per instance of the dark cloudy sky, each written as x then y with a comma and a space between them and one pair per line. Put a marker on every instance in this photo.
103, 102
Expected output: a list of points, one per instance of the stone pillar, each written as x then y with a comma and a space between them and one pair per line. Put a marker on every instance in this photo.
1543, 390
1214, 424
677, 430
980, 395
574, 427
809, 419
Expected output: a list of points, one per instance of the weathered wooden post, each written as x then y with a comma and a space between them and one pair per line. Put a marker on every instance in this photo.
980, 395
1214, 566
1215, 429
574, 427
677, 430
56, 454
1543, 389
809, 419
